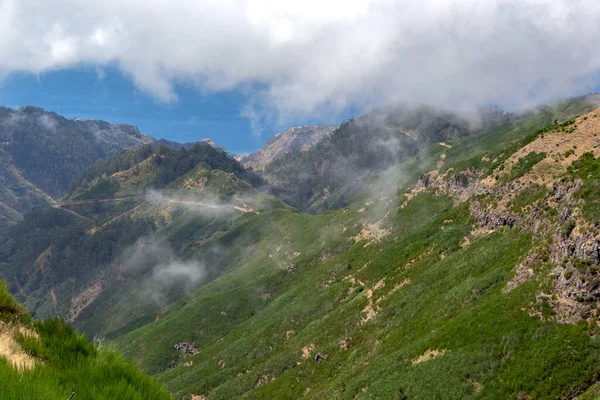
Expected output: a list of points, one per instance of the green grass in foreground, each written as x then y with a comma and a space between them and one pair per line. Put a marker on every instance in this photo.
68, 362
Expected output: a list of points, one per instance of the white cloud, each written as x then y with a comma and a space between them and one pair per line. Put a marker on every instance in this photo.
317, 56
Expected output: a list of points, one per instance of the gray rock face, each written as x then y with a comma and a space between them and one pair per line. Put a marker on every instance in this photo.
491, 219
574, 253
186, 348
575, 258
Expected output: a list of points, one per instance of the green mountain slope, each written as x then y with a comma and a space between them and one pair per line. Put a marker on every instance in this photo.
460, 264
133, 219
454, 287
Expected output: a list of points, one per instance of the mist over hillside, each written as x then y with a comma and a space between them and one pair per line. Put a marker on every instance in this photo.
420, 218
329, 174
215, 279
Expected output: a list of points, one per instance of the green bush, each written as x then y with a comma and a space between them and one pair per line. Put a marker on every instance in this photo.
567, 228
587, 168
524, 164
529, 195
9, 308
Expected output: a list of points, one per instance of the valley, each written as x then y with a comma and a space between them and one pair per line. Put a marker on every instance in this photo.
404, 254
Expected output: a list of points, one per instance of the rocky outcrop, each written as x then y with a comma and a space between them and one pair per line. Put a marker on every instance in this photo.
186, 348
576, 272
490, 218
574, 251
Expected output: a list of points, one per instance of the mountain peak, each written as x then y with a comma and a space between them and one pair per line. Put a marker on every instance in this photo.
212, 144
296, 138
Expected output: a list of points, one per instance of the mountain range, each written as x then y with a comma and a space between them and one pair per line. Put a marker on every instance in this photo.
42, 153
413, 252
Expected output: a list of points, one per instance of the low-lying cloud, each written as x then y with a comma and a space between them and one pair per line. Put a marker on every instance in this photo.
207, 206
313, 57
164, 275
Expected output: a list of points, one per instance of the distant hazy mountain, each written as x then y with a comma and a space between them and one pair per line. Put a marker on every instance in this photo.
298, 138
329, 174
42, 152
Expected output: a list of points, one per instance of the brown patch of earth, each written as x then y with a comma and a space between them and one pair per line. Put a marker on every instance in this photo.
306, 350
11, 351
561, 148
83, 299
428, 355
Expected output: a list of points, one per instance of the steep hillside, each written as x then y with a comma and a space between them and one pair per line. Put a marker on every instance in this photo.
42, 152
470, 272
48, 360
133, 219
300, 138
466, 268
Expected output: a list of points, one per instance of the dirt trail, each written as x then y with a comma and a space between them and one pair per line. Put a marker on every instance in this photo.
75, 202
110, 221
59, 207
35, 188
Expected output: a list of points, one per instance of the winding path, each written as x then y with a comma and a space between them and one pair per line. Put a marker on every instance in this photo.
243, 207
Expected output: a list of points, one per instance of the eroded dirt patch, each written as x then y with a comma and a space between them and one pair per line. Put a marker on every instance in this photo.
83, 299
372, 232
428, 355
306, 350
371, 309
524, 272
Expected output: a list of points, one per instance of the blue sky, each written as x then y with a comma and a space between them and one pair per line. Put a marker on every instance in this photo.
185, 69
106, 94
